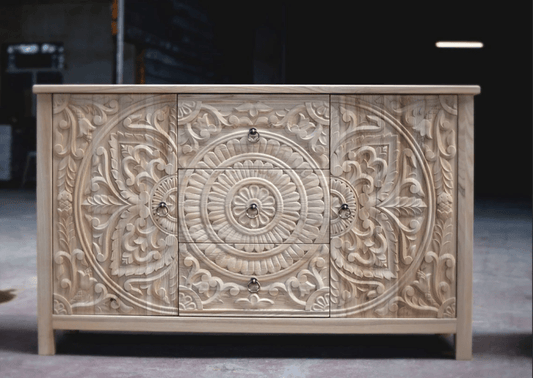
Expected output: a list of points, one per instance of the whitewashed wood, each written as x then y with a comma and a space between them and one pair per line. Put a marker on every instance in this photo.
46, 341
213, 130
293, 206
465, 227
208, 88
293, 278
96, 118
255, 325
114, 162
393, 161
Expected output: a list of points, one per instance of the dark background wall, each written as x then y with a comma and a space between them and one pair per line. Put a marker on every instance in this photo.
288, 42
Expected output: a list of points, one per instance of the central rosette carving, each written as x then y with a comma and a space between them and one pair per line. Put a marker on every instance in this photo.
291, 211
248, 196
284, 212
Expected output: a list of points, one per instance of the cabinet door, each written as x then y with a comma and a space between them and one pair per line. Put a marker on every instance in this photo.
114, 162
393, 163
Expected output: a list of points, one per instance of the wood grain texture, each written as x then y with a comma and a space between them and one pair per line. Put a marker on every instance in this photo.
393, 162
292, 206
258, 89
255, 325
114, 162
215, 280
293, 131
46, 341
401, 157
465, 227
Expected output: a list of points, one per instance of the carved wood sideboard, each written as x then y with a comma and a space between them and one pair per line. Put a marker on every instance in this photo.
255, 209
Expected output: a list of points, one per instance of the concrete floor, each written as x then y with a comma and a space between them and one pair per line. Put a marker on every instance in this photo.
502, 323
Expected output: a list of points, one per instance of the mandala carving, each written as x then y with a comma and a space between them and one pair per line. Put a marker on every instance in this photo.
291, 210
392, 163
115, 161
300, 123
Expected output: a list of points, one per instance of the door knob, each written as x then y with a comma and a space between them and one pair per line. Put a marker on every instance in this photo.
162, 209
345, 211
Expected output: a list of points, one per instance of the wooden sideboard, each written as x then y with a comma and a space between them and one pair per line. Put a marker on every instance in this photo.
255, 209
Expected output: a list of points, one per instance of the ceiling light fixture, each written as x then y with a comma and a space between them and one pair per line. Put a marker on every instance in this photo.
459, 45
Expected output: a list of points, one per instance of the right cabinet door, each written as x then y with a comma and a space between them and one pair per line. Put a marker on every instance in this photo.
393, 206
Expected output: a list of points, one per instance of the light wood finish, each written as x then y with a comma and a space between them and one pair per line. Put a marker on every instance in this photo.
400, 156
292, 206
216, 280
114, 162
249, 89
255, 325
44, 226
393, 161
293, 131
465, 227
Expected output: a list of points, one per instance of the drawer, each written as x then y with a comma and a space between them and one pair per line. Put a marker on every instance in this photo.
292, 130
291, 206
290, 280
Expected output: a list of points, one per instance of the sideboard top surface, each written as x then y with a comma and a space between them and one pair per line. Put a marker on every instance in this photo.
209, 88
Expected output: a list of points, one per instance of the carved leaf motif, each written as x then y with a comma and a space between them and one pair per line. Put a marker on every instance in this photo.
406, 206
66, 173
102, 204
424, 128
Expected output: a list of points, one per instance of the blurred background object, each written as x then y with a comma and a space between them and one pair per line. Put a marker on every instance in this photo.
276, 42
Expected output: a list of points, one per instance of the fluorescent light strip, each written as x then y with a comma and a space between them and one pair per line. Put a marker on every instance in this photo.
459, 45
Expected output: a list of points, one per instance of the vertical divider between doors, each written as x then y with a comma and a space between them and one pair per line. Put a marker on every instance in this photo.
177, 209
329, 193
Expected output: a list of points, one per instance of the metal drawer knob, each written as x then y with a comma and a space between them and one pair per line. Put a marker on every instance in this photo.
162, 209
252, 211
253, 285
345, 211
253, 135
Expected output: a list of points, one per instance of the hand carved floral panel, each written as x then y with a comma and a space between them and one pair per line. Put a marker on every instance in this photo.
217, 280
393, 167
115, 161
293, 130
254, 204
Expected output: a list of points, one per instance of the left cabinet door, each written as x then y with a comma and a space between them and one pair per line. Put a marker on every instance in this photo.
115, 240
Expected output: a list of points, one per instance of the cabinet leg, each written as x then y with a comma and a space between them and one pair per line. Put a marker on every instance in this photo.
46, 341
463, 346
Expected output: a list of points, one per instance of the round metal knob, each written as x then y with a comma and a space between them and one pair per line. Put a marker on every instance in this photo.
253, 285
162, 209
253, 135
252, 211
345, 211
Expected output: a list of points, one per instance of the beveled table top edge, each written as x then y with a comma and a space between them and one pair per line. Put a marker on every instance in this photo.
258, 89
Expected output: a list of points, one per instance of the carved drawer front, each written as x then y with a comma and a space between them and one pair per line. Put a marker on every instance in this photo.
114, 162
393, 167
290, 280
292, 131
257, 208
